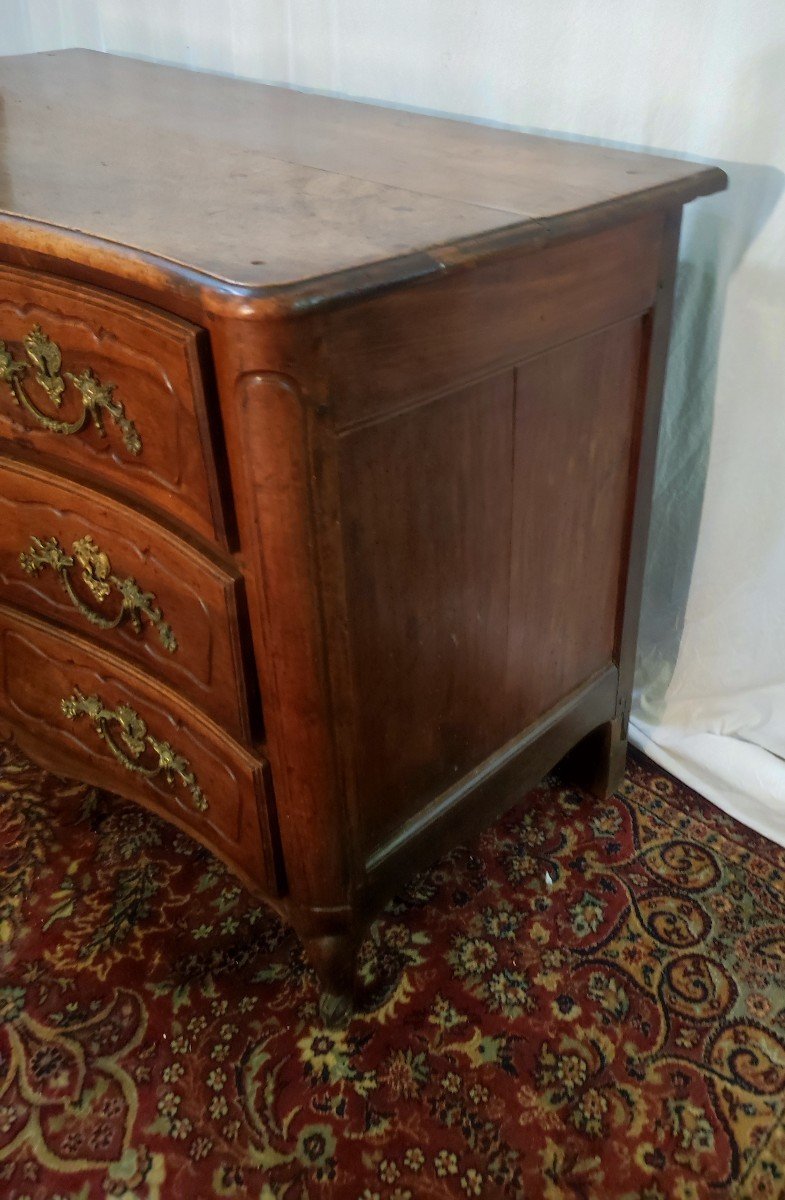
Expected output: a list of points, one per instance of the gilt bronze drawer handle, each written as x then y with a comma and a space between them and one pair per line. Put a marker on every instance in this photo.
97, 398
97, 575
133, 732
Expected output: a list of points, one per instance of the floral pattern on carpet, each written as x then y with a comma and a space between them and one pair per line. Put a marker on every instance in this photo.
588, 1003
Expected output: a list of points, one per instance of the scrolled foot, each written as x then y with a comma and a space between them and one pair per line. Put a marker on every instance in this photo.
336, 1011
333, 957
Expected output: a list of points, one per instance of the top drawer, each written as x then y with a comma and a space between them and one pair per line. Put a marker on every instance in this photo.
112, 386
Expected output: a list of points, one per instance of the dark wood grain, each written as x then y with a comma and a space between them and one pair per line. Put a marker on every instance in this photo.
504, 778
196, 594
395, 350
40, 666
484, 539
426, 512
576, 414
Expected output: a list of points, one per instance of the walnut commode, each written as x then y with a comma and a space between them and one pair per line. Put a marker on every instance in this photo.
327, 437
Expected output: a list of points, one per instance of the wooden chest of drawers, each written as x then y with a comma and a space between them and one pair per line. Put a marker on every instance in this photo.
326, 449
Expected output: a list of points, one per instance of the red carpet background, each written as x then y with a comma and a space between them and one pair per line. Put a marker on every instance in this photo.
590, 1003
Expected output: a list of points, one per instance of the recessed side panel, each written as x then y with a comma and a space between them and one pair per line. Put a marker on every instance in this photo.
576, 412
427, 503
485, 538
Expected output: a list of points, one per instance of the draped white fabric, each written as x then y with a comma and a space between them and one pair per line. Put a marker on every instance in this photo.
705, 78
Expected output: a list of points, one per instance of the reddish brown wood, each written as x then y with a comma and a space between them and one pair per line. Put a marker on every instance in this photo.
154, 361
197, 594
293, 673
40, 666
398, 382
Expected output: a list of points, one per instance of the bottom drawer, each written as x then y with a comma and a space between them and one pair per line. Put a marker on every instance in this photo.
83, 712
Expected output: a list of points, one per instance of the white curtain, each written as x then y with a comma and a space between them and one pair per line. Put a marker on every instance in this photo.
702, 78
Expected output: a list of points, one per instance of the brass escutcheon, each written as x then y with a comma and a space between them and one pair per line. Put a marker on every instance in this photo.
133, 733
97, 575
97, 397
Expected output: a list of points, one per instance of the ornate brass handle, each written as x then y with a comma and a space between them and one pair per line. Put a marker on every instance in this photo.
97, 397
97, 574
133, 732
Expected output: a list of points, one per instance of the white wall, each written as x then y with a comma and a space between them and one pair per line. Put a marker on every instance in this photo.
704, 78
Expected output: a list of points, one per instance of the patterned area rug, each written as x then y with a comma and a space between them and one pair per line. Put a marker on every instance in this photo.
590, 1003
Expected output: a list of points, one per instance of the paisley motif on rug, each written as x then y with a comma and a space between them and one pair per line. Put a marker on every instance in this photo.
588, 1002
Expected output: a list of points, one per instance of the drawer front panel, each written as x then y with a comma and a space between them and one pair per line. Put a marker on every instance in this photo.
126, 583
109, 724
111, 386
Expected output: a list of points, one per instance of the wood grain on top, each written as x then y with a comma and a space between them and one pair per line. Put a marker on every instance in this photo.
263, 187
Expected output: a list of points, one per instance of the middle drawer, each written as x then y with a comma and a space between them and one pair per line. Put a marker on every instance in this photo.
113, 574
